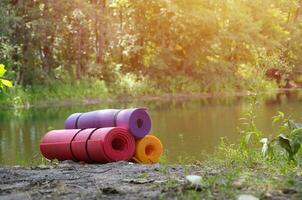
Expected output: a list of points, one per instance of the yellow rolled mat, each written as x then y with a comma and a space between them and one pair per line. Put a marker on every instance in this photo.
148, 150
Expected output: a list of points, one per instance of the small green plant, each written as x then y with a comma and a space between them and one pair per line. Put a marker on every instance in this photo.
289, 139
250, 134
3, 82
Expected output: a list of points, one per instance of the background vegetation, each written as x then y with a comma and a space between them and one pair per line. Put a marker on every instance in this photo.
142, 47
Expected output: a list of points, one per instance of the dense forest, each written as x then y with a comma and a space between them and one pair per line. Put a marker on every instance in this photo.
192, 45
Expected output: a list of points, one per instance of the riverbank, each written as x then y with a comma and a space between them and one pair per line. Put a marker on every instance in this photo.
145, 98
124, 180
94, 91
19, 102
124, 99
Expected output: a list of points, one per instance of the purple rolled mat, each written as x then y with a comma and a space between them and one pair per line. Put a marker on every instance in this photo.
136, 120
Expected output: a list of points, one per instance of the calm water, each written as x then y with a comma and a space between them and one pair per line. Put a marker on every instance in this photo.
187, 128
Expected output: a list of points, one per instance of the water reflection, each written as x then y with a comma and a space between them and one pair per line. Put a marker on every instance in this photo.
186, 127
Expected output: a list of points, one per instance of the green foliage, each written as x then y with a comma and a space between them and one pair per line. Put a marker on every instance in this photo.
3, 82
2, 70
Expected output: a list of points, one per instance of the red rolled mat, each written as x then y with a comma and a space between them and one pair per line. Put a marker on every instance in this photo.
79, 145
111, 144
90, 145
56, 144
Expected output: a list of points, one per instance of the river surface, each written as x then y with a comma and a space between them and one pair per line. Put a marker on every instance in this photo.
189, 129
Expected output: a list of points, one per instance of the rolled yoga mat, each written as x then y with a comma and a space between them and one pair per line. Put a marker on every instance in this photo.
101, 145
148, 150
136, 120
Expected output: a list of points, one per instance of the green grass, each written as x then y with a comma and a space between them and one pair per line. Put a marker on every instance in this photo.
231, 172
19, 96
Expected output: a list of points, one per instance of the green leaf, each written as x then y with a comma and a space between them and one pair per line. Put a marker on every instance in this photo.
295, 147
2, 70
248, 137
296, 132
295, 144
7, 83
285, 143
278, 118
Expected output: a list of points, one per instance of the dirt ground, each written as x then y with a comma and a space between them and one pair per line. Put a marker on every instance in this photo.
120, 180
68, 180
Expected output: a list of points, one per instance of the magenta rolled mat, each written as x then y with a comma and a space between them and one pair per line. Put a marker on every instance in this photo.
101, 145
136, 120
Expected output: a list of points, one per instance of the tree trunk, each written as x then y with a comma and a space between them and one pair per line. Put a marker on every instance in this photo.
298, 11
47, 46
79, 53
101, 33
121, 49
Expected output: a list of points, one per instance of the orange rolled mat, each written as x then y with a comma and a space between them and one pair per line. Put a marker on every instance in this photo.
148, 150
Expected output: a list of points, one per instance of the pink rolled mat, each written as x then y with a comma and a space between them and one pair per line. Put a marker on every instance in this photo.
56, 144
136, 120
90, 145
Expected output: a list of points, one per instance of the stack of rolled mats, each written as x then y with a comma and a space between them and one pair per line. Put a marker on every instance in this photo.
104, 136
